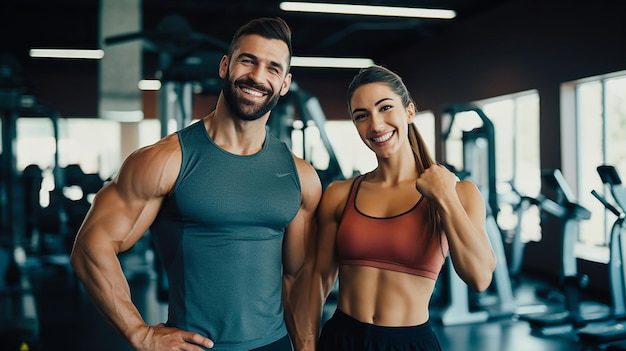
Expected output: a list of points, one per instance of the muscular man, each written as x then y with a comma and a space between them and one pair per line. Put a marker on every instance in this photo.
231, 212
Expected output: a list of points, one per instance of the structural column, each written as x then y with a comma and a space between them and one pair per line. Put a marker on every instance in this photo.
121, 70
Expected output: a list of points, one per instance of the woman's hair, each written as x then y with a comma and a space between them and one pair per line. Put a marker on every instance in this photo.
270, 28
379, 74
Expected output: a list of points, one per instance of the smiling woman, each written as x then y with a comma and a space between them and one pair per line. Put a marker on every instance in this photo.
386, 234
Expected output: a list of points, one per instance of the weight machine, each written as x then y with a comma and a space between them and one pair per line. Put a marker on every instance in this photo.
479, 166
19, 324
187, 59
298, 104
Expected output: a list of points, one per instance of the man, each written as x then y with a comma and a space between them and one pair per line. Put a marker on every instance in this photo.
231, 212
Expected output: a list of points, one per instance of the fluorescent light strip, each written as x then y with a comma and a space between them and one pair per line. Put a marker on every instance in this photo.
149, 84
330, 62
67, 54
367, 10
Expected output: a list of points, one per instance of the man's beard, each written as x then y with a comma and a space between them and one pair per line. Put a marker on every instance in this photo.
245, 109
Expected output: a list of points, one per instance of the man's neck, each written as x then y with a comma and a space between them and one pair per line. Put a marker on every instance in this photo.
233, 134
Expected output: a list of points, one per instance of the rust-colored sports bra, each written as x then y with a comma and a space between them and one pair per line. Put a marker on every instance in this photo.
398, 243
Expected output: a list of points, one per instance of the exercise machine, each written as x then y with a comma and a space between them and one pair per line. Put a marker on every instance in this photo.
19, 324
615, 330
298, 104
514, 245
574, 313
478, 147
187, 60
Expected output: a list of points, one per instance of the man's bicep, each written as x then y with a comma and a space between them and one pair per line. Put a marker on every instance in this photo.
124, 208
115, 220
134, 198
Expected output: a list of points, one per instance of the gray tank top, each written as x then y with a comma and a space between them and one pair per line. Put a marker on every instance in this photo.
219, 234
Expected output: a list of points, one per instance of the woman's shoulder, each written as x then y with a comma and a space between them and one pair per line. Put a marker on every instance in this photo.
342, 185
468, 193
338, 190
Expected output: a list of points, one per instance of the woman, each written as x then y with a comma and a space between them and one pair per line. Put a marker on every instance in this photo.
386, 233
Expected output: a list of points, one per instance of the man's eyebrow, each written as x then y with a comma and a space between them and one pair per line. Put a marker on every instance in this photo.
255, 58
277, 65
245, 54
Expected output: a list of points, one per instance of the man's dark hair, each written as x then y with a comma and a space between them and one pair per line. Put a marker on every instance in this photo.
270, 28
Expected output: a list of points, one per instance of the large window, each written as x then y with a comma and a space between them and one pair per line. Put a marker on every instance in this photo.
515, 120
593, 127
91, 143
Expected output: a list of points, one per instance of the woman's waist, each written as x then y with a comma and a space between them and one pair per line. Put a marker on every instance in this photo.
383, 297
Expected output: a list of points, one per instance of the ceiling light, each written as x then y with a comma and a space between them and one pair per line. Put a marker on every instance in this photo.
67, 53
149, 84
123, 116
367, 10
331, 62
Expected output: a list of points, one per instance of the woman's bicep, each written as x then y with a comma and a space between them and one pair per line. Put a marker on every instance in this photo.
473, 204
328, 216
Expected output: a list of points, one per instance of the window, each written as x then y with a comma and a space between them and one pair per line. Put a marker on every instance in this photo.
597, 106
515, 120
91, 143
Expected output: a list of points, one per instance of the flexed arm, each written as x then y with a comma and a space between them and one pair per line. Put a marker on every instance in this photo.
462, 215
121, 213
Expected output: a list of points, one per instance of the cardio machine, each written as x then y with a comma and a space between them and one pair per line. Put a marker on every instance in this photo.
574, 313
616, 329
521, 206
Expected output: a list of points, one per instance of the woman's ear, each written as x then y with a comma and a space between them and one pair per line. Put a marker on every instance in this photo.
410, 110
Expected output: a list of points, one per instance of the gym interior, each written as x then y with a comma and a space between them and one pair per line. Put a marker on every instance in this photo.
526, 98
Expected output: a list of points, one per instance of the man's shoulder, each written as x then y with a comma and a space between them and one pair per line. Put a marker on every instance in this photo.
157, 158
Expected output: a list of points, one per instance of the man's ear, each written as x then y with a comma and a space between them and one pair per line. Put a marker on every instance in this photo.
223, 69
286, 84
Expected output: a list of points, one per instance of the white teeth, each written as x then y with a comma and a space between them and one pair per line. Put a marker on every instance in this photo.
252, 92
383, 138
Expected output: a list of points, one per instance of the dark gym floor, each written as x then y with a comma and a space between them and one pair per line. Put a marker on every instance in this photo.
69, 321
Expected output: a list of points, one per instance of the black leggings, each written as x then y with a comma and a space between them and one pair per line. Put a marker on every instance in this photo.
283, 344
344, 333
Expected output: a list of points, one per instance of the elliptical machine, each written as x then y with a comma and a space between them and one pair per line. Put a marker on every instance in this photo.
574, 313
616, 330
